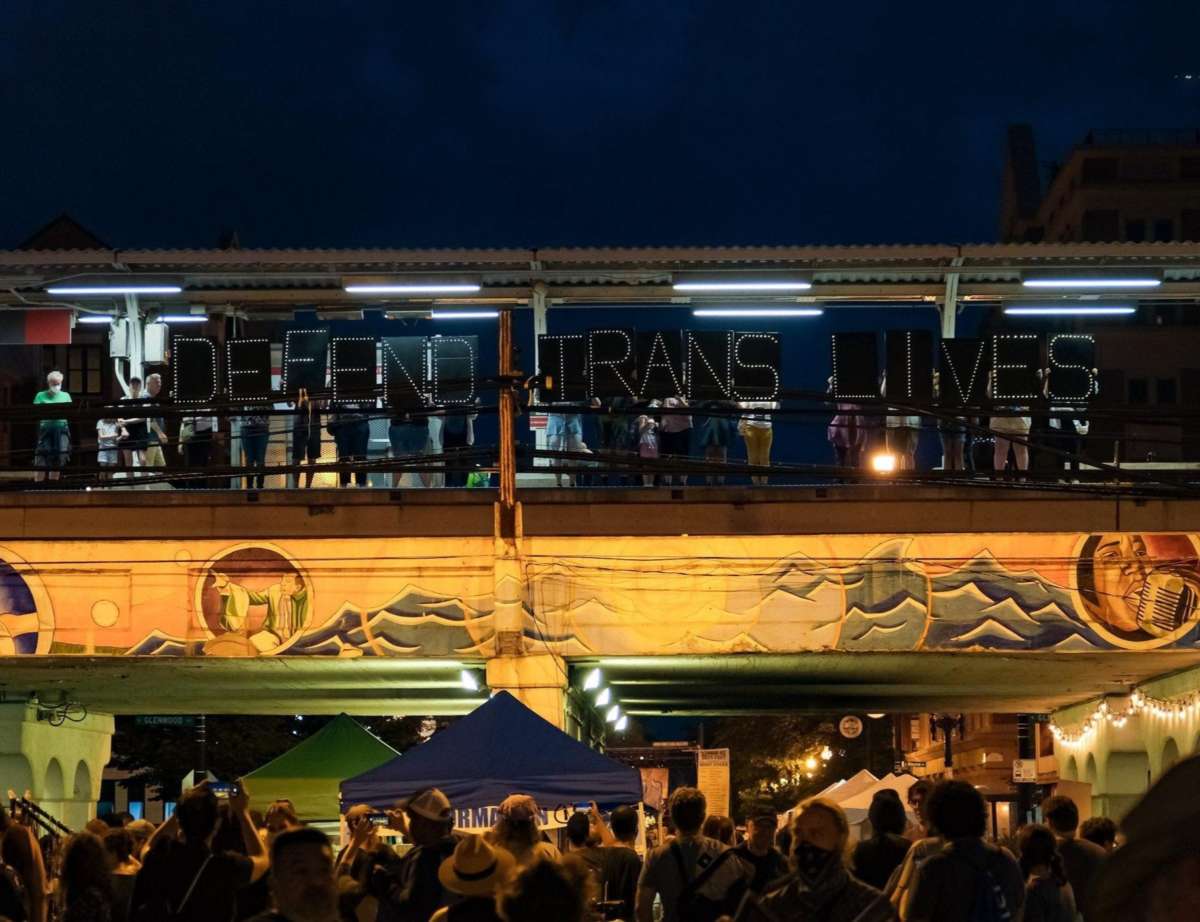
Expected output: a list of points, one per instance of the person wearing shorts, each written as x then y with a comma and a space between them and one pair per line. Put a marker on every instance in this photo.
54, 437
564, 432
108, 432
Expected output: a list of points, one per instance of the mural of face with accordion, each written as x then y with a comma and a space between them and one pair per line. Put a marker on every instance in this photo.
1139, 591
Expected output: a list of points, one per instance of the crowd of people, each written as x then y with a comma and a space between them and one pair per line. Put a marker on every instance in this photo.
214, 860
133, 437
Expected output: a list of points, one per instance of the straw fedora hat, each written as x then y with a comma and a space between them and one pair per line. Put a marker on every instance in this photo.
476, 868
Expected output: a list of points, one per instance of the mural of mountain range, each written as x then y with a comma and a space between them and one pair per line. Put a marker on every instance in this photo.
157, 643
984, 605
887, 598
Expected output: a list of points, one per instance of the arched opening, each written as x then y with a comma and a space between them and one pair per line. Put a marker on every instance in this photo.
1091, 776
1071, 769
1170, 755
1126, 778
82, 789
55, 787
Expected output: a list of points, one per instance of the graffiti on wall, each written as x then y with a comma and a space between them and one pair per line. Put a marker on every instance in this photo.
432, 597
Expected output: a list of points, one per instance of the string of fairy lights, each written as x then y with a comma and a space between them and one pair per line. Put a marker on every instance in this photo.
1139, 704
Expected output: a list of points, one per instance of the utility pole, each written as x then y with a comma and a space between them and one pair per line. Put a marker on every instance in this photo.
508, 440
948, 723
1026, 749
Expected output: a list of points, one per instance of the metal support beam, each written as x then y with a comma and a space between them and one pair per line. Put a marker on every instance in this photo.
949, 305
507, 411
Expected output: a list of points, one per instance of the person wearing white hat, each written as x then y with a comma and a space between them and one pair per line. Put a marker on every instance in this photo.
476, 871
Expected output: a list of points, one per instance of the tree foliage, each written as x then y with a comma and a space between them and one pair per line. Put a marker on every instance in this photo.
776, 761
160, 757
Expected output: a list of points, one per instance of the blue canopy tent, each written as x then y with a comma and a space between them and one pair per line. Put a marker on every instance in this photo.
500, 748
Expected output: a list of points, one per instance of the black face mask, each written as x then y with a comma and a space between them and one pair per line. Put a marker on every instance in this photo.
810, 860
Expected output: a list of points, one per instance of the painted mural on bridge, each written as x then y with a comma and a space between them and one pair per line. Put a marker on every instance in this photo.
419, 597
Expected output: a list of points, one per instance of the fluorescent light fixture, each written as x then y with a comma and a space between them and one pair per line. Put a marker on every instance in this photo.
114, 290
183, 318
1069, 310
789, 285
468, 680
95, 318
603, 698
621, 724
463, 315
614, 712
757, 312
428, 288
593, 680
1096, 282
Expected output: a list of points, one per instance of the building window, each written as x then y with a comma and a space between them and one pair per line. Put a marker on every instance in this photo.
1165, 390
1100, 169
1164, 229
1139, 390
1135, 231
1101, 226
83, 370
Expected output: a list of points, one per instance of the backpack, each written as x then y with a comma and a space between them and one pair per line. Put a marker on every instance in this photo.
988, 904
694, 906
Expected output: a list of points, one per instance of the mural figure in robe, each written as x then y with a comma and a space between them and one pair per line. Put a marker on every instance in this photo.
286, 602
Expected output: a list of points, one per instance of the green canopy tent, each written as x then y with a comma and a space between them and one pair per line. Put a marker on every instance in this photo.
310, 773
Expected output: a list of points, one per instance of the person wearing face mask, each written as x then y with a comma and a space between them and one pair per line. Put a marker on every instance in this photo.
820, 888
54, 438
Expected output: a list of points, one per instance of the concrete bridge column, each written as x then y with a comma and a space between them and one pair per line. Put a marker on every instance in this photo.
60, 766
537, 680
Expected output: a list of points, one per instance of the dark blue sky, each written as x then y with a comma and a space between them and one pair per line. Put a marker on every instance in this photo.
383, 123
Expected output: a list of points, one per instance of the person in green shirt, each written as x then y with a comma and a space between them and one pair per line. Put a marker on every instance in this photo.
54, 439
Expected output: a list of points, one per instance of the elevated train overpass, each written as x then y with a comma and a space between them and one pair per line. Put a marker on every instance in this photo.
704, 601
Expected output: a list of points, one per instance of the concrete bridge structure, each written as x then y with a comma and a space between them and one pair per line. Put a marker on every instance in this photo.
869, 597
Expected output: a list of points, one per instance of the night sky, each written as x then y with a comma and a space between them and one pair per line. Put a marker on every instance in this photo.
579, 122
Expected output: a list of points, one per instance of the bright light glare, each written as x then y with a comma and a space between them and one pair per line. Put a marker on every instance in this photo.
1092, 283
603, 698
826, 753
419, 289
876, 716
464, 315
810, 763
613, 713
883, 463
468, 680
593, 680
792, 285
183, 318
94, 318
114, 290
621, 724
1068, 311
757, 312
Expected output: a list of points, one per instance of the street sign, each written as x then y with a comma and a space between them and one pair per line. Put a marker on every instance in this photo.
850, 727
1024, 771
164, 720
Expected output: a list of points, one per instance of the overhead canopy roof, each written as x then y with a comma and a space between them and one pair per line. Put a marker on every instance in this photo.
597, 275
501, 748
310, 773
